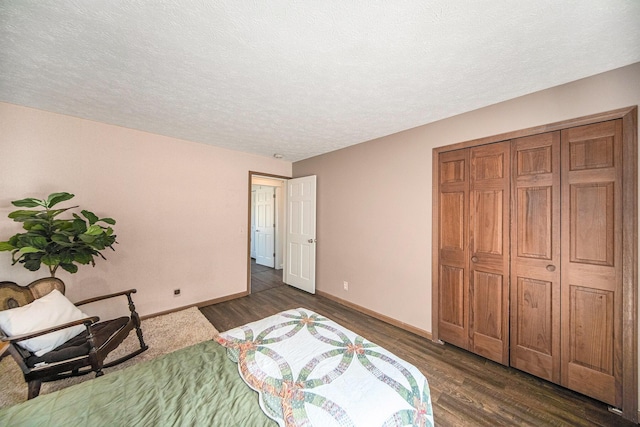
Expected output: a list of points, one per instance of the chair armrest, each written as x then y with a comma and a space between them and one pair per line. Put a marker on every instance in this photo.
16, 338
103, 297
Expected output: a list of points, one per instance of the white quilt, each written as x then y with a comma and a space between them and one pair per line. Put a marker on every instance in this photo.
310, 371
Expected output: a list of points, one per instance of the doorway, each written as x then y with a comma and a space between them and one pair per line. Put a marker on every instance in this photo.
266, 231
263, 224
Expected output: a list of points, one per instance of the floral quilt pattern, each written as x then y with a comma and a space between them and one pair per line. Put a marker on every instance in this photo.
310, 371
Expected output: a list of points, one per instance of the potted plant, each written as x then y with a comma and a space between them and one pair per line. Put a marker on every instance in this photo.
54, 241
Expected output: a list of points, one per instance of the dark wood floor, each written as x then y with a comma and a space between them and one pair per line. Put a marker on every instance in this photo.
263, 278
466, 390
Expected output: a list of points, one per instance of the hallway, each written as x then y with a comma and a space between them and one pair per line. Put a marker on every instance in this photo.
263, 278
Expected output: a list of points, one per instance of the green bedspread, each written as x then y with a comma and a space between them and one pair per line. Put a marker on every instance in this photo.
197, 385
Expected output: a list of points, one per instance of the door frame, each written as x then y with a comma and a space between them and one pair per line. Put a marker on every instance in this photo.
629, 116
251, 175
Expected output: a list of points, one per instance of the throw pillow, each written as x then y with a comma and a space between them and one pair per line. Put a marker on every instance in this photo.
50, 310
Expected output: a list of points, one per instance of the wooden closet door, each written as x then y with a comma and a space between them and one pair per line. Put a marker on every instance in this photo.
489, 183
453, 277
592, 260
535, 255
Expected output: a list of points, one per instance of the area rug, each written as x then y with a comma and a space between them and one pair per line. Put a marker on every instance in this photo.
163, 334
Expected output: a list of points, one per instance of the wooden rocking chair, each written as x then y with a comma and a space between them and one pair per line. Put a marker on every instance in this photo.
79, 355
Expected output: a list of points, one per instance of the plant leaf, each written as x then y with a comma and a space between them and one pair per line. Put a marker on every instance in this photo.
71, 268
56, 198
34, 227
17, 215
94, 230
66, 258
79, 225
50, 259
29, 250
83, 258
90, 216
87, 238
61, 239
32, 264
29, 202
30, 223
55, 212
109, 221
65, 225
98, 245
6, 246
33, 240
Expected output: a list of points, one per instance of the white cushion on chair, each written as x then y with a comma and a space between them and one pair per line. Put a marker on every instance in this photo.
45, 312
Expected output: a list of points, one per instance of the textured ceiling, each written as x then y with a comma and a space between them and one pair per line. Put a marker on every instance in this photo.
299, 78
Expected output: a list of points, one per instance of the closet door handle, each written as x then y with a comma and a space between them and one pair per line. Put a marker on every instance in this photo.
551, 268
474, 258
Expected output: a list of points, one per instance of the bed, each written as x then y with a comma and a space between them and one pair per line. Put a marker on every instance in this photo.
306, 369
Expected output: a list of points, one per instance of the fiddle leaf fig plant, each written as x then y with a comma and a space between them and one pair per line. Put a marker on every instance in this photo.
54, 241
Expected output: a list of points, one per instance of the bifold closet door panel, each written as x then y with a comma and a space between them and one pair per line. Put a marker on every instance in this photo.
535, 255
453, 255
592, 260
489, 194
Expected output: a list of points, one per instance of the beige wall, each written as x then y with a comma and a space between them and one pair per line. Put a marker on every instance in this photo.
181, 207
374, 199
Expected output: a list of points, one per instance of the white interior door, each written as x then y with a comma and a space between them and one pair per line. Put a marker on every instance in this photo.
300, 268
265, 226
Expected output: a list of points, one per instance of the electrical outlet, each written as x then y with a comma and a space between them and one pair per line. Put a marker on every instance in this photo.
176, 292
345, 284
